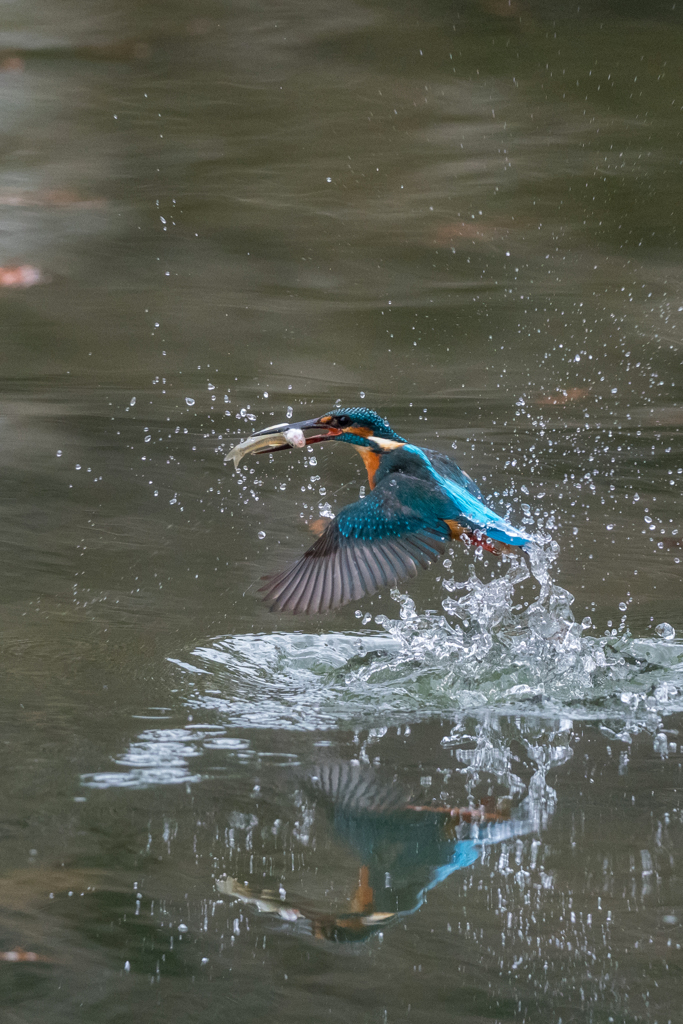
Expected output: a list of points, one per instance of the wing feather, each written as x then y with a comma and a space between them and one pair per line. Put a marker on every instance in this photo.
295, 588
402, 559
417, 552
348, 574
373, 543
385, 567
305, 589
368, 582
326, 599
346, 591
316, 589
336, 580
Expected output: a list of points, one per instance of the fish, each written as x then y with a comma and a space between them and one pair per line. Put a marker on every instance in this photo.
285, 437
265, 900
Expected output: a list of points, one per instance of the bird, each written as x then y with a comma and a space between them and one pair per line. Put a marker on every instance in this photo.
419, 501
406, 848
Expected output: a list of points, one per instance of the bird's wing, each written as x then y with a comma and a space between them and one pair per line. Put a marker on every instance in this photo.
376, 542
465, 500
452, 471
473, 513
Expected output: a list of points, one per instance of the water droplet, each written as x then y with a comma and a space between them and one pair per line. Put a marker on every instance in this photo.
59, 453
290, 412
261, 535
126, 966
183, 928
189, 401
622, 606
666, 631
660, 744
132, 401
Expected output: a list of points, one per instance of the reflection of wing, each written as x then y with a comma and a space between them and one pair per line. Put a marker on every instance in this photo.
373, 543
356, 790
407, 849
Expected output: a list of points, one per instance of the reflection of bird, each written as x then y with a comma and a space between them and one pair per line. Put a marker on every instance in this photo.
405, 850
420, 500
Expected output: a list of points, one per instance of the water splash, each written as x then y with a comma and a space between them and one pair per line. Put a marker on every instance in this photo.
507, 645
510, 643
495, 649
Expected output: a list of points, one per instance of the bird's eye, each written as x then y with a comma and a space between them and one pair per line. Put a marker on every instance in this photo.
343, 421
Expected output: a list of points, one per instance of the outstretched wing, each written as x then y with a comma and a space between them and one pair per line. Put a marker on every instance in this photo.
373, 543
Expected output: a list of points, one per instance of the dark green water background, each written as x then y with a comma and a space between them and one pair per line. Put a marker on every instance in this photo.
466, 215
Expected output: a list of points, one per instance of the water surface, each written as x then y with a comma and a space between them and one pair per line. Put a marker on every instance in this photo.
466, 216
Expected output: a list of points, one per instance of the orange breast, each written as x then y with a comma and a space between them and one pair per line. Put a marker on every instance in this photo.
371, 460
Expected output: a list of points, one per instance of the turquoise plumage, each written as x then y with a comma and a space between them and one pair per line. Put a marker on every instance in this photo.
420, 501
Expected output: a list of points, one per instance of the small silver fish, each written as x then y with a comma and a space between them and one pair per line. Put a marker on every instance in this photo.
264, 900
287, 437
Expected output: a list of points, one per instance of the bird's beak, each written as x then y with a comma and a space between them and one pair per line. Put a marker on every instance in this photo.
280, 428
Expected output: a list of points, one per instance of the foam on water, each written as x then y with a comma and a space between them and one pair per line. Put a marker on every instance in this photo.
490, 653
488, 650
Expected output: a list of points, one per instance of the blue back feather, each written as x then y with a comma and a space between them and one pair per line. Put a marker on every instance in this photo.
467, 506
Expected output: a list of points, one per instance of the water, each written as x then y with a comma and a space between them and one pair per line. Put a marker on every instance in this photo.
466, 216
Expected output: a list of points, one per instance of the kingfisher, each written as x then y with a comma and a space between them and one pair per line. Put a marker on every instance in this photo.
419, 501
405, 848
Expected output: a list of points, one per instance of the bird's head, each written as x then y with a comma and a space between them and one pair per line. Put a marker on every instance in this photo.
358, 421
357, 425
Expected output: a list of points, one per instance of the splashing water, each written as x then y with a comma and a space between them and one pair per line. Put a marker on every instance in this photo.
519, 655
491, 649
491, 654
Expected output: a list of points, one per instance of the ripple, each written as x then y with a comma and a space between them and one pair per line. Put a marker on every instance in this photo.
486, 652
487, 655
